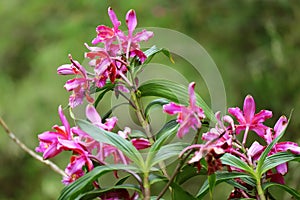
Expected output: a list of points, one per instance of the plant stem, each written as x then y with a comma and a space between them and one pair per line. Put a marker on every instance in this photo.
141, 117
260, 191
147, 191
12, 136
176, 171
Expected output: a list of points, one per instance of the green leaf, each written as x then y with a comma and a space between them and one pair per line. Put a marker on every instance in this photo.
155, 102
96, 193
166, 132
155, 178
229, 159
151, 52
220, 177
174, 92
84, 183
113, 139
178, 193
168, 151
106, 88
267, 151
187, 172
277, 159
108, 113
292, 191
211, 183
168, 129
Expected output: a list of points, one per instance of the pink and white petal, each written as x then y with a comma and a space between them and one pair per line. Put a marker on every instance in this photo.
249, 108
64, 121
269, 135
282, 168
139, 54
284, 146
262, 116
71, 145
113, 18
66, 69
51, 151
211, 135
173, 108
238, 114
197, 156
192, 95
110, 123
142, 36
92, 114
260, 129
74, 83
280, 126
182, 131
131, 21
255, 150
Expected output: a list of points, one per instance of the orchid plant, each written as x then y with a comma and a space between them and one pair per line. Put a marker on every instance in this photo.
136, 160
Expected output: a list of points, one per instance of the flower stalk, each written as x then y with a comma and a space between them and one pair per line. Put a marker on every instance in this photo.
14, 138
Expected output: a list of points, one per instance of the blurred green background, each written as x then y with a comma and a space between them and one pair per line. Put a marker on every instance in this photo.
255, 44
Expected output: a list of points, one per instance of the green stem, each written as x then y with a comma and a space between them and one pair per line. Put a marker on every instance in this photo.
178, 167
147, 191
141, 117
259, 189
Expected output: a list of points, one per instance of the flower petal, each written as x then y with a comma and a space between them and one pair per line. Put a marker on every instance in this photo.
280, 126
173, 108
140, 143
249, 108
192, 95
113, 17
92, 114
131, 21
64, 121
262, 116
238, 114
284, 146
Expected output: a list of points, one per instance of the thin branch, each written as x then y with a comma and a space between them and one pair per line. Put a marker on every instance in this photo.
12, 136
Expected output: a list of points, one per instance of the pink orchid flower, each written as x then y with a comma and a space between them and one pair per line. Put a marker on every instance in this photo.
94, 117
74, 170
138, 143
271, 134
79, 85
248, 120
188, 117
105, 150
49, 140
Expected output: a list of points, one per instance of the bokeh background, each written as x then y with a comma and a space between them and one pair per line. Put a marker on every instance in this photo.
255, 44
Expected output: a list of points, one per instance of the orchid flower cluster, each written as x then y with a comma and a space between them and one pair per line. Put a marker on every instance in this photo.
100, 147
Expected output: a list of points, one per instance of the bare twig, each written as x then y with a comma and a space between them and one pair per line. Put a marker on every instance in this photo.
12, 136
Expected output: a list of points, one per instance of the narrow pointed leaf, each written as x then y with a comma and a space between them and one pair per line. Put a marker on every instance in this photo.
220, 177
211, 183
277, 159
84, 183
151, 52
156, 102
113, 139
228, 159
96, 193
168, 131
267, 151
288, 189
168, 151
